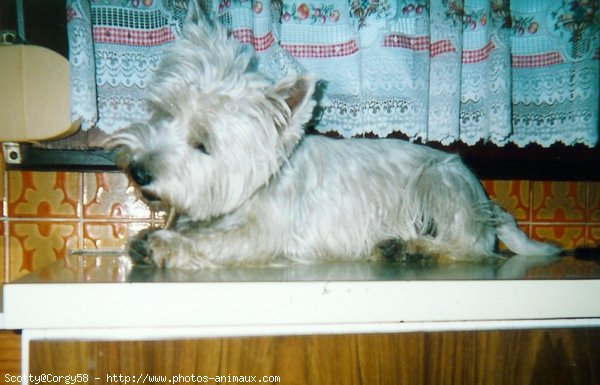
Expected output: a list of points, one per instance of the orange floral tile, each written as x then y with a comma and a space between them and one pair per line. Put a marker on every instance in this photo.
43, 194
36, 244
559, 201
524, 227
111, 195
593, 239
114, 235
593, 203
511, 195
566, 236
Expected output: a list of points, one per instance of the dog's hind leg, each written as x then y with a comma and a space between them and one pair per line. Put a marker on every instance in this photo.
395, 250
446, 213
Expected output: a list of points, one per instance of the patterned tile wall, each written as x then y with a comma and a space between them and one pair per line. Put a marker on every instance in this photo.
46, 214
566, 213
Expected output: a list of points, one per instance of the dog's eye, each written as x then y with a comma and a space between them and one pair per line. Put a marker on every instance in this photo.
201, 147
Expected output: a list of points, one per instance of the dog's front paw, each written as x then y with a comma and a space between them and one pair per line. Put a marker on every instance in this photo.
165, 248
139, 248
172, 250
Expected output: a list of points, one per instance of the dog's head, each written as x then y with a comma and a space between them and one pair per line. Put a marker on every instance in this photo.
217, 130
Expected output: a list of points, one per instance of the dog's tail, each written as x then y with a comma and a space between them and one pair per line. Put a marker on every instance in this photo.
516, 240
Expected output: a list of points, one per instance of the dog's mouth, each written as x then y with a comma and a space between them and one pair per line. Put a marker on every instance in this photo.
150, 197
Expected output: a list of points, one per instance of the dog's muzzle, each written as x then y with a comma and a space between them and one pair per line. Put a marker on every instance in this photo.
140, 175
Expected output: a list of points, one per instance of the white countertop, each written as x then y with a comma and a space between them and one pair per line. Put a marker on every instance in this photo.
106, 292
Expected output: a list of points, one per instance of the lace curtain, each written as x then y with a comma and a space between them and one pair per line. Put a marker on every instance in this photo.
440, 70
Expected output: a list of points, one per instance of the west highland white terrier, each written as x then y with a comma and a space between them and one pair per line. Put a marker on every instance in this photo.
225, 147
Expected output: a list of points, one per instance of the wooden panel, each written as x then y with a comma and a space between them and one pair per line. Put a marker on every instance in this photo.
493, 357
10, 353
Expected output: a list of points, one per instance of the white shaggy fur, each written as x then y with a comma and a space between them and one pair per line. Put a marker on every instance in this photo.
226, 148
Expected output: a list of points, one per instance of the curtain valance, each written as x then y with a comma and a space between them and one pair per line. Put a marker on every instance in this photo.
445, 70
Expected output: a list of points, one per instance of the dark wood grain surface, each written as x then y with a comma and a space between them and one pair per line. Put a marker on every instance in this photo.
483, 357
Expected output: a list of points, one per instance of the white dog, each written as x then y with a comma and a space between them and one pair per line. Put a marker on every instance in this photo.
225, 147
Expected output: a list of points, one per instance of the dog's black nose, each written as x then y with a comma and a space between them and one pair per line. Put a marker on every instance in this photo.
140, 174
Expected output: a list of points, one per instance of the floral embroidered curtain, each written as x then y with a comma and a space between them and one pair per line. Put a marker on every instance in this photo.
441, 70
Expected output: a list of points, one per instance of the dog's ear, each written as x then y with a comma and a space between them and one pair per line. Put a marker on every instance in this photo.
293, 98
